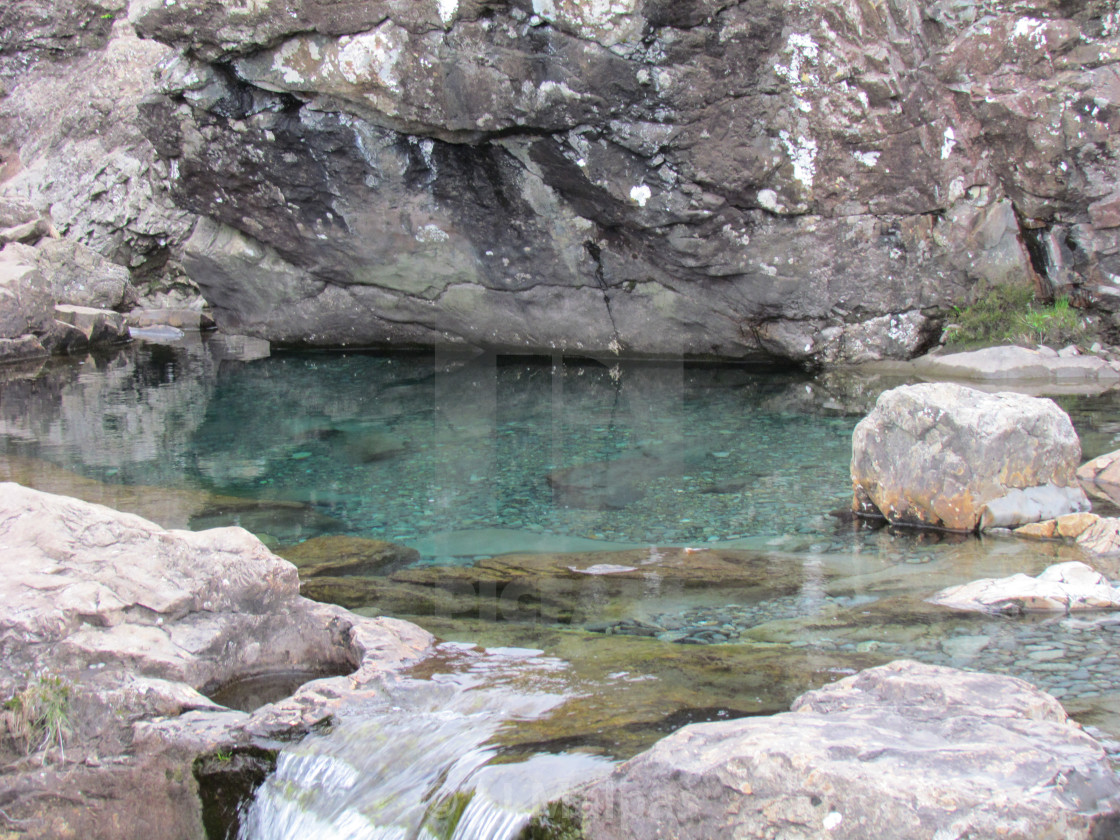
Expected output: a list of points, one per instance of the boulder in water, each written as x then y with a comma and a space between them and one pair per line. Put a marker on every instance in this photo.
1062, 588
1101, 477
946, 456
1041, 370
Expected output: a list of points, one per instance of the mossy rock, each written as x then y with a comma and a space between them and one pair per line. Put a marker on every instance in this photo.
342, 556
556, 821
688, 568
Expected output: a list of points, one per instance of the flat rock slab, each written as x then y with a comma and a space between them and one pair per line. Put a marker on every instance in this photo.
341, 556
1010, 366
902, 751
946, 456
1065, 587
1070, 527
685, 567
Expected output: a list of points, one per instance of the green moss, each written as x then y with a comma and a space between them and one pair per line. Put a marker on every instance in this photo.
1009, 314
443, 818
558, 821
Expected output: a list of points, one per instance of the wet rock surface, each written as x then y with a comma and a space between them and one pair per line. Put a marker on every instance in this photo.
759, 179
343, 555
947, 456
1101, 477
133, 624
1024, 370
904, 750
1063, 588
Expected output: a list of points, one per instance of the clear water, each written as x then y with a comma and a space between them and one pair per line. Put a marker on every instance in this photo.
467, 458
412, 447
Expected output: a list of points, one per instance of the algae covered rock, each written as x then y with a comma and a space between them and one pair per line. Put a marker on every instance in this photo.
946, 456
340, 555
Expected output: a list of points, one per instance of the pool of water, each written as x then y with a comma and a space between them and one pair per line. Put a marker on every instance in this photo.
654, 540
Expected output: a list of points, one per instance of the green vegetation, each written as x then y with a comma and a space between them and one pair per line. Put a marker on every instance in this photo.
443, 817
558, 821
1012, 315
38, 717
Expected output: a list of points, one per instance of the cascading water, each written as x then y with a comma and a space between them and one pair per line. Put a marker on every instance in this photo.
417, 761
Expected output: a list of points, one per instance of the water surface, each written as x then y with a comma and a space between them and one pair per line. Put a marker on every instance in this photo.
468, 458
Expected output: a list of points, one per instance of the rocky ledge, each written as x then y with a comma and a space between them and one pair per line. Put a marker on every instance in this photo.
901, 751
114, 634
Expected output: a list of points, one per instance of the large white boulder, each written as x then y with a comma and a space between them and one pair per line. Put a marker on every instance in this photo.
139, 625
946, 456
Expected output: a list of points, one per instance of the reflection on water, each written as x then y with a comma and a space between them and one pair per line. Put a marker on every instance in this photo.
465, 459
413, 448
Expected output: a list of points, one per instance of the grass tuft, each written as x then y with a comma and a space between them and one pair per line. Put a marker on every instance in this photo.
38, 717
1009, 314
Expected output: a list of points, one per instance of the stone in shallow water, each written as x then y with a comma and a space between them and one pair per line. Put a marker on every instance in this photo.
1101, 476
901, 751
1009, 366
1102, 538
1061, 588
947, 456
340, 556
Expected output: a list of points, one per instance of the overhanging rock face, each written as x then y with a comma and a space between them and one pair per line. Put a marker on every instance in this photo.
812, 182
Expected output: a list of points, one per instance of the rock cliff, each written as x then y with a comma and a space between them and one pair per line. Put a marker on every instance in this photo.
760, 179
815, 182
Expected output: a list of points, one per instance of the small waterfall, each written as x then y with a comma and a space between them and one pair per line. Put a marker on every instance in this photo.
416, 763
484, 819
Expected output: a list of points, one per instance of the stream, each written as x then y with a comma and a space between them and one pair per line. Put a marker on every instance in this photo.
607, 550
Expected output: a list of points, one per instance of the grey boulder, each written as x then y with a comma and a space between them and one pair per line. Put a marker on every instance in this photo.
946, 456
901, 751
1064, 587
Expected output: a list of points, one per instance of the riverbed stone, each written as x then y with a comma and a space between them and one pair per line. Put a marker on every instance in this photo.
1066, 587
1102, 538
341, 556
1101, 476
946, 456
905, 750
138, 624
